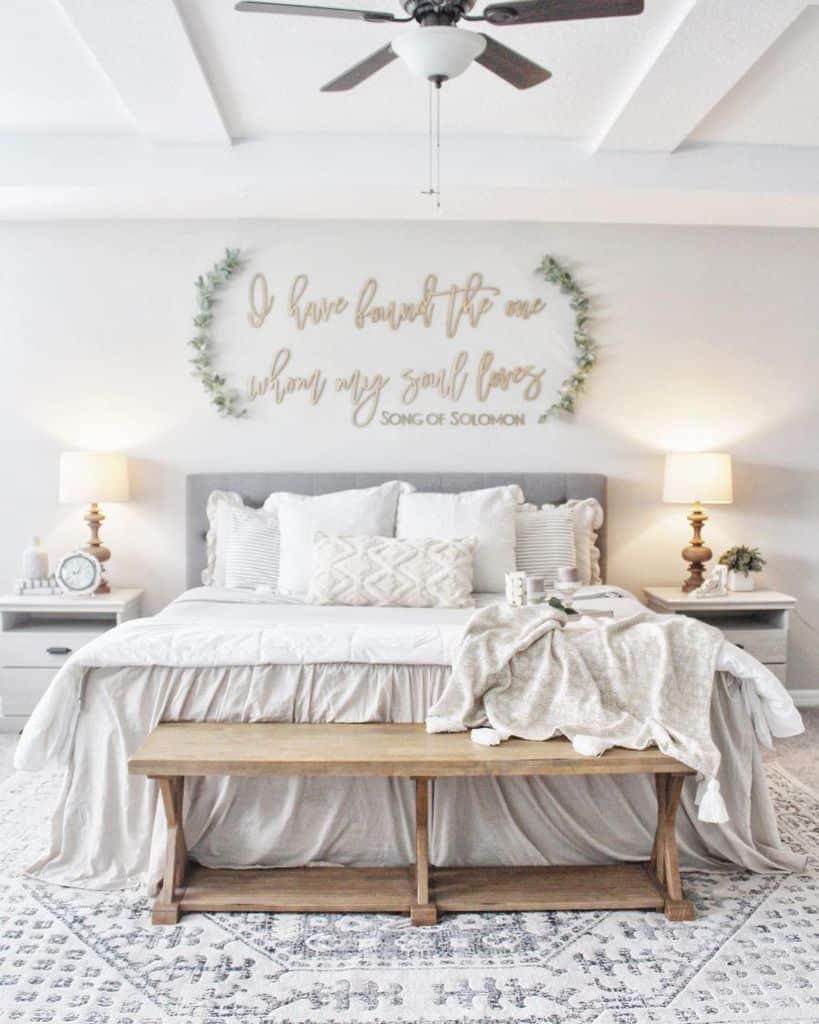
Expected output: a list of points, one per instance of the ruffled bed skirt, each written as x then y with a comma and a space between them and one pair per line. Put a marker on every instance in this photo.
108, 829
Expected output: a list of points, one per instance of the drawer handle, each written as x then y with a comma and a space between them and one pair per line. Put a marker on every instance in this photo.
58, 650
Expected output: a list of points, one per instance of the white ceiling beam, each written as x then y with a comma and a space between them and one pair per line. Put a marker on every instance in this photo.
144, 49
712, 46
367, 177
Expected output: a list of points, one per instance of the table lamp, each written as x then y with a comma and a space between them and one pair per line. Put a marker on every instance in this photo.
94, 477
697, 479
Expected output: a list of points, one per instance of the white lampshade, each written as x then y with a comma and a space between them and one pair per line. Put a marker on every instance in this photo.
438, 51
93, 476
703, 477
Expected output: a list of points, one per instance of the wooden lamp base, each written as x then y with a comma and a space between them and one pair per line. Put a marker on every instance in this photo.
696, 553
95, 547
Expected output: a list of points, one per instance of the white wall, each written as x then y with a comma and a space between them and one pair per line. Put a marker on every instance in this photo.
708, 340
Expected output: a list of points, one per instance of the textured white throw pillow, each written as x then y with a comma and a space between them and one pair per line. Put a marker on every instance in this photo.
252, 549
587, 516
364, 511
487, 514
388, 571
221, 507
545, 541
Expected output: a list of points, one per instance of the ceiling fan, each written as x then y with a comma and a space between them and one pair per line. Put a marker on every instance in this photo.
442, 51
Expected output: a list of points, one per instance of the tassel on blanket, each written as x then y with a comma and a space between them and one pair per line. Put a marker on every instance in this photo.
590, 746
435, 723
487, 737
710, 805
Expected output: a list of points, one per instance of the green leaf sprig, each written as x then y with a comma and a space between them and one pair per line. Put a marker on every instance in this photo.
222, 395
585, 348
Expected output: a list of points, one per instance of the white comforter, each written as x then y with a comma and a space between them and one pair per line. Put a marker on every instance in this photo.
207, 627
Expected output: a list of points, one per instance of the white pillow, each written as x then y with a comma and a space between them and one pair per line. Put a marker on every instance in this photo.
488, 515
388, 571
587, 516
252, 549
365, 511
545, 541
220, 508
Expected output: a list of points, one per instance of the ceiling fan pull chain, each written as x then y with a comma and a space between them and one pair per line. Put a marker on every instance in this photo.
438, 146
430, 189
429, 141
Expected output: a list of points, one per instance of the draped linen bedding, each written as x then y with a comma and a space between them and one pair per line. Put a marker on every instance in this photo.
108, 827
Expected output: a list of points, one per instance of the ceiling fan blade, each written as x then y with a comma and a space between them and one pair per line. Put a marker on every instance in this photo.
510, 65
531, 11
361, 71
309, 11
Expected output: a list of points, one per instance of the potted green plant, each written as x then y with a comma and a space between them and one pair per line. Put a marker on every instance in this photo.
741, 562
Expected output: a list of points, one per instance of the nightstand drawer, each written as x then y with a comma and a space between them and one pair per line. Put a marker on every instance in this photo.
766, 645
21, 688
42, 648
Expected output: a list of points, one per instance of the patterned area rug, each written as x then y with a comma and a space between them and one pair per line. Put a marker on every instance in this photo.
73, 957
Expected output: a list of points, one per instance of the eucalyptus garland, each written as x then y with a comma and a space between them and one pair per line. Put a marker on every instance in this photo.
221, 394
585, 356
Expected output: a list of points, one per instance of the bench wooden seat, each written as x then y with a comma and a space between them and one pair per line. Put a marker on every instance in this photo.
174, 751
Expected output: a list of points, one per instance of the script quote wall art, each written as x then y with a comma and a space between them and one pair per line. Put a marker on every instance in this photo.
471, 349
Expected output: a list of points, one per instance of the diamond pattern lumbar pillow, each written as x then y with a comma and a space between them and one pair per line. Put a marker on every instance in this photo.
420, 573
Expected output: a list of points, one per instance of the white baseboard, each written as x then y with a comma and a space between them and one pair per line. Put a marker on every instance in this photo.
805, 698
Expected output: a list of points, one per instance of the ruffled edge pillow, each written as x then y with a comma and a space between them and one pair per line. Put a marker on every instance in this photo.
226, 512
213, 575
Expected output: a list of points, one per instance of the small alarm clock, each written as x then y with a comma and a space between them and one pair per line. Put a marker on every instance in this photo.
79, 573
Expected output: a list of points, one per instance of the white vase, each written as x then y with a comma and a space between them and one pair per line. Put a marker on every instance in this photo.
739, 581
35, 562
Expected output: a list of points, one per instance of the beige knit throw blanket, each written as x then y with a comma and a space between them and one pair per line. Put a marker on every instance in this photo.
630, 682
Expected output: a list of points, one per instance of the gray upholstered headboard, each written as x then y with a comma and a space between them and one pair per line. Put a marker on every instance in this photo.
255, 487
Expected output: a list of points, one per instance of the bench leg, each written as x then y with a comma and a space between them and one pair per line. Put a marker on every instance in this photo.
166, 905
422, 911
664, 860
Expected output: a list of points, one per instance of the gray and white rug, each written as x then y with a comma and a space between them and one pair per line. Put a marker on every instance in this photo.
73, 957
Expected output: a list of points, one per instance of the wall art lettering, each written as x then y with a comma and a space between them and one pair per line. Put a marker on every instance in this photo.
469, 375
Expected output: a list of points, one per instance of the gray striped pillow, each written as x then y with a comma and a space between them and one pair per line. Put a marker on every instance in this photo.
587, 517
544, 542
252, 550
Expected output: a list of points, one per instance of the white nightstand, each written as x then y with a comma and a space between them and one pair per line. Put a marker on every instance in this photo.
37, 634
756, 620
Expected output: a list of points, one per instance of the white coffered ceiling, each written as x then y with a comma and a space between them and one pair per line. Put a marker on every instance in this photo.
49, 80
777, 102
696, 111
285, 61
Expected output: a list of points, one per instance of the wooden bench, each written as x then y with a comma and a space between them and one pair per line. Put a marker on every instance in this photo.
177, 750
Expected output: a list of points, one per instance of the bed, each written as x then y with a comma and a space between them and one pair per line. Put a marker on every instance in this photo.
222, 655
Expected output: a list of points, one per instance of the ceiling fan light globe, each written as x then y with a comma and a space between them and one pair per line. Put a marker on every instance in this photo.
438, 52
